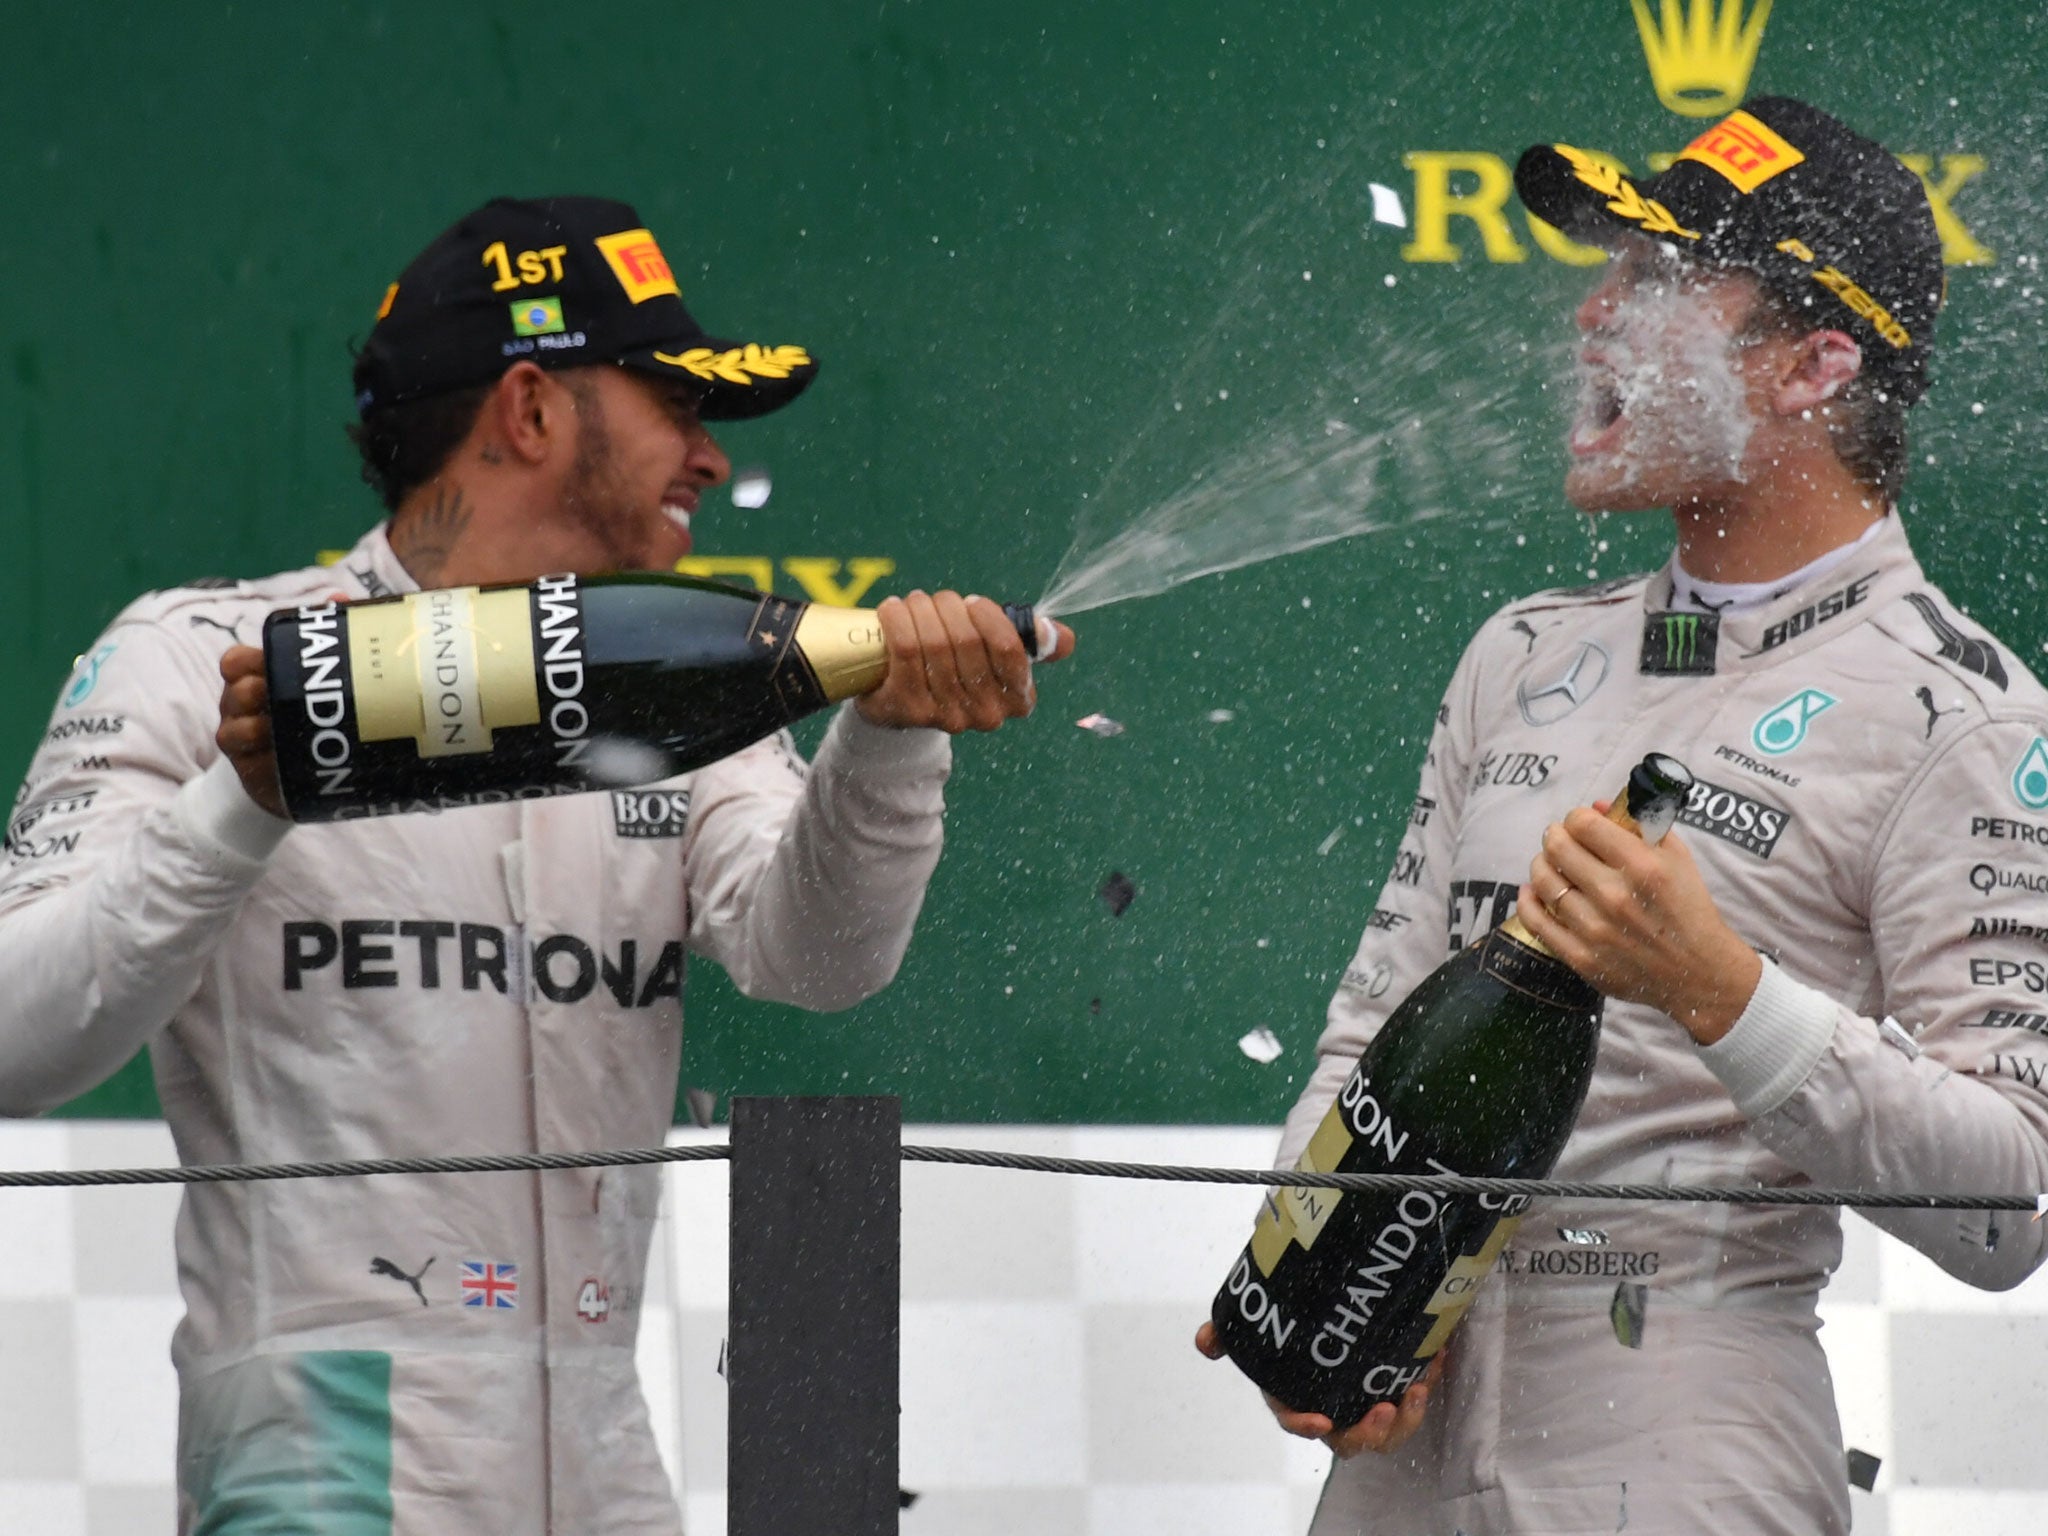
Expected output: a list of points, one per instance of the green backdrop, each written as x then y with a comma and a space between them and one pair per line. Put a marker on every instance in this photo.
1063, 262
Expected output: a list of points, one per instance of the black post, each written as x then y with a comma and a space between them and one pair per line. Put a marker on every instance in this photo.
811, 1370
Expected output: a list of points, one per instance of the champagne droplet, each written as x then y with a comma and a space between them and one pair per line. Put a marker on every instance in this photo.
616, 760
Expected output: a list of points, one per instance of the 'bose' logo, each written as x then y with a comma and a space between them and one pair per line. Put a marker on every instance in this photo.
650, 812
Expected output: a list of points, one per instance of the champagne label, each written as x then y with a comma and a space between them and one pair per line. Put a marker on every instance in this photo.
443, 668
323, 662
1293, 1214
1461, 1284
558, 641
1343, 1297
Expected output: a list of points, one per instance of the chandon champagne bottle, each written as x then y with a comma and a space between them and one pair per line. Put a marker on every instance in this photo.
469, 695
1342, 1297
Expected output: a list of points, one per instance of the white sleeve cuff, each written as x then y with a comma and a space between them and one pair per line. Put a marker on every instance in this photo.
1763, 1059
912, 749
219, 817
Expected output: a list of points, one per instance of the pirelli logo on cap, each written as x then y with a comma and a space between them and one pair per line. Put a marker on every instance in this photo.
638, 264
1742, 149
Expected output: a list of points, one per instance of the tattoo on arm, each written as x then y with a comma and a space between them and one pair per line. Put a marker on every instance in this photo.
424, 539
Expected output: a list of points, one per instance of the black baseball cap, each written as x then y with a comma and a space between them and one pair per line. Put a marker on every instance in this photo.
1824, 217
565, 282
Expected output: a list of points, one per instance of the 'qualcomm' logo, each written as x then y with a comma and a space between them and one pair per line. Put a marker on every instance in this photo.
2030, 779
1779, 730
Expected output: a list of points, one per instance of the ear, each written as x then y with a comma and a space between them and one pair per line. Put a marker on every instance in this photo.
527, 416
1821, 362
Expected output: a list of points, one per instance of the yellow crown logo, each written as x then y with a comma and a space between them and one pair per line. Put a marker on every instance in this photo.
1700, 61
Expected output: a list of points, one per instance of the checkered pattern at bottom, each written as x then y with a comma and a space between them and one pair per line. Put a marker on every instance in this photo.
1048, 1379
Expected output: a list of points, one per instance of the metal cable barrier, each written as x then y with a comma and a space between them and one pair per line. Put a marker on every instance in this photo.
1391, 1183
815, 1301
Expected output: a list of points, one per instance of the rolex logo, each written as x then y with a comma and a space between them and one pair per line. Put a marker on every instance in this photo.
1701, 52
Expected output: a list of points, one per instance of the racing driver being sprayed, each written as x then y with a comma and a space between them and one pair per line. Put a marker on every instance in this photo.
1798, 991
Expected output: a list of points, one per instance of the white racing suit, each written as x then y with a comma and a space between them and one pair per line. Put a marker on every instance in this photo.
1872, 814
440, 1354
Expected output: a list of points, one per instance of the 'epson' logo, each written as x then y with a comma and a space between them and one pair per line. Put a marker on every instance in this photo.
561, 638
650, 812
1734, 817
326, 703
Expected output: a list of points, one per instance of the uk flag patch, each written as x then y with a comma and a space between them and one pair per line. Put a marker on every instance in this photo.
486, 1284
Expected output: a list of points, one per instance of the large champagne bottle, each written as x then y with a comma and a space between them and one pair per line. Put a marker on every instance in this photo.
1342, 1297
470, 695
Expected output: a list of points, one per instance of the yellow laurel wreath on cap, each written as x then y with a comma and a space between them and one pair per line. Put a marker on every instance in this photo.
740, 365
1622, 196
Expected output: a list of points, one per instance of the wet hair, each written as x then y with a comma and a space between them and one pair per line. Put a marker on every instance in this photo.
1866, 419
403, 446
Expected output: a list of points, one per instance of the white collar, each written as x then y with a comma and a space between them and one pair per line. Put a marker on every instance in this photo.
1690, 594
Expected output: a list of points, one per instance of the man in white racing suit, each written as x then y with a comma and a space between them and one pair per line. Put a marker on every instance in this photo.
451, 1354
1832, 974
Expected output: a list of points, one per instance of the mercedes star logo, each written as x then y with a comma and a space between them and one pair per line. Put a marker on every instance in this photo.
1552, 701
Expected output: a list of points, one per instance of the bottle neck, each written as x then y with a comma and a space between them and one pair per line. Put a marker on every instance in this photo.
1514, 957
844, 647
1517, 930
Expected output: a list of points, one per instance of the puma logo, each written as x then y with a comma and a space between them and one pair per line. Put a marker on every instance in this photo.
1926, 697
391, 1271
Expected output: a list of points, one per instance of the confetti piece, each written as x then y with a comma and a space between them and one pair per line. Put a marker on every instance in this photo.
1262, 1045
1101, 725
2040, 1206
703, 1106
751, 487
1329, 842
1386, 206
1628, 1311
1222, 716
1863, 1469
1118, 892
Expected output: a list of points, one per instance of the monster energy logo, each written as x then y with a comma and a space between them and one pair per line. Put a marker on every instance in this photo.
1680, 644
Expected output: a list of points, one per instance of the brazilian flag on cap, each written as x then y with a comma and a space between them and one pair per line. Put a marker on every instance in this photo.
537, 317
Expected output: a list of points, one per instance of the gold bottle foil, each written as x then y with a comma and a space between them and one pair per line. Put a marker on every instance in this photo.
1515, 928
844, 647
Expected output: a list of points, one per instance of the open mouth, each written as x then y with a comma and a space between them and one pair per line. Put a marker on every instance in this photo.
678, 513
1599, 418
